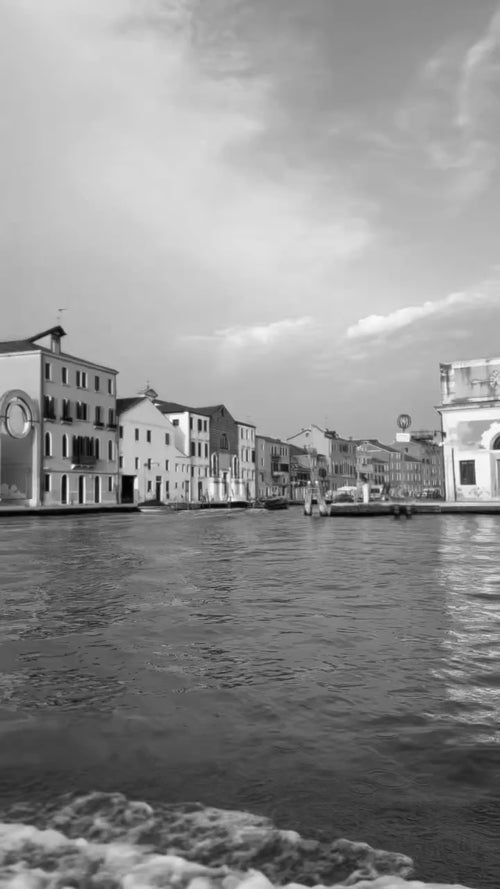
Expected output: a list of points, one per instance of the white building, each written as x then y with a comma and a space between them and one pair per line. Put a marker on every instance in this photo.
152, 465
246, 456
192, 436
58, 433
470, 416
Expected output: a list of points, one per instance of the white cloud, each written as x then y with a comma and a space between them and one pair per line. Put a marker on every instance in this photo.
458, 112
374, 326
240, 337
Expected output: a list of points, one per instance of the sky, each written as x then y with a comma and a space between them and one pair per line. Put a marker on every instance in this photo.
288, 207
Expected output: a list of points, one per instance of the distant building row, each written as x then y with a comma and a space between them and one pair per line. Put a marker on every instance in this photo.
65, 438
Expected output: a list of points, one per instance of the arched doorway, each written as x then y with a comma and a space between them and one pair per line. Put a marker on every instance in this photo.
81, 489
64, 489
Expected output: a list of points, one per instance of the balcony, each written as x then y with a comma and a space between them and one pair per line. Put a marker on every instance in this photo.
98, 424
83, 461
66, 418
112, 425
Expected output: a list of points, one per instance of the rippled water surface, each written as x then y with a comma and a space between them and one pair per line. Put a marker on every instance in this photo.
341, 676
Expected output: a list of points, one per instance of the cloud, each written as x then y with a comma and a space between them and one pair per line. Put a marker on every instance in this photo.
455, 117
132, 172
378, 326
276, 332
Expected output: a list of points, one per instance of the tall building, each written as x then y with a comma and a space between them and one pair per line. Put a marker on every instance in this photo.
272, 467
337, 453
470, 417
192, 437
58, 432
151, 465
425, 446
246, 455
225, 481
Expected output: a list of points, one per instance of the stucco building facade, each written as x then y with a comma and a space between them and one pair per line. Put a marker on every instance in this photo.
470, 417
58, 430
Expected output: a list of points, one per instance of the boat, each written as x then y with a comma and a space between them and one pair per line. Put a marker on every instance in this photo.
276, 503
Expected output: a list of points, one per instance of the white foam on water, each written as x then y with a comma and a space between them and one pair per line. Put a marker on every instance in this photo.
104, 841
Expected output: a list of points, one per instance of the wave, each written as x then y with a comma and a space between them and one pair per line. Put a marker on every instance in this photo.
105, 841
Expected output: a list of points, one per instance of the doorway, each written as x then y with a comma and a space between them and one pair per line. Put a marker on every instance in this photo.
81, 489
128, 488
158, 489
64, 489
97, 489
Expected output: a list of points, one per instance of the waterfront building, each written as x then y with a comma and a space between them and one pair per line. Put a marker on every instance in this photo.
300, 472
58, 431
273, 467
470, 417
425, 446
151, 465
339, 454
398, 472
192, 437
225, 481
246, 455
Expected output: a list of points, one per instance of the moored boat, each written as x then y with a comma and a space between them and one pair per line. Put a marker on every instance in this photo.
276, 503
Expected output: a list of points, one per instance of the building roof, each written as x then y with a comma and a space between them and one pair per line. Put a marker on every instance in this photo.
173, 407
245, 423
30, 344
272, 440
376, 443
124, 404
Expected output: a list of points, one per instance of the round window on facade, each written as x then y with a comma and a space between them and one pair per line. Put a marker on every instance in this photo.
18, 418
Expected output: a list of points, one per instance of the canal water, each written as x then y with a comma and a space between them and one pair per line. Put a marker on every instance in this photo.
340, 677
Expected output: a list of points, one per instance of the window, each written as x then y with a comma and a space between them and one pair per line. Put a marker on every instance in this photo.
48, 370
136, 431
98, 416
120, 432
121, 462
149, 463
110, 483
193, 449
148, 435
97, 384
66, 411
97, 449
110, 387
190, 424
223, 442
46, 482
200, 425
150, 487
167, 490
81, 410
49, 407
206, 451
136, 463
64, 375
199, 449
78, 379
496, 444
467, 472
111, 418
110, 449
205, 425
47, 450
84, 379
65, 445
175, 422
167, 438
166, 465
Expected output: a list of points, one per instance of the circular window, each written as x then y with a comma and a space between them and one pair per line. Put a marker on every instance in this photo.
17, 418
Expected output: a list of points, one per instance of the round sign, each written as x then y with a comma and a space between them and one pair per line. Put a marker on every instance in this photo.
17, 418
404, 421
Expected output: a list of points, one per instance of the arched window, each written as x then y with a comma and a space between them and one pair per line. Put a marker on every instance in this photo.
496, 444
65, 445
214, 465
48, 445
223, 442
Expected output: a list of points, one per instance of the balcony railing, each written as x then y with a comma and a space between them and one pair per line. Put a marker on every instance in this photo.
83, 460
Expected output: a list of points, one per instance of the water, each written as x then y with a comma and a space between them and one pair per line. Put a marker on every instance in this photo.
339, 676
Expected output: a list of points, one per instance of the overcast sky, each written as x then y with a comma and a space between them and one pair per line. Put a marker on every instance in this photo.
289, 206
